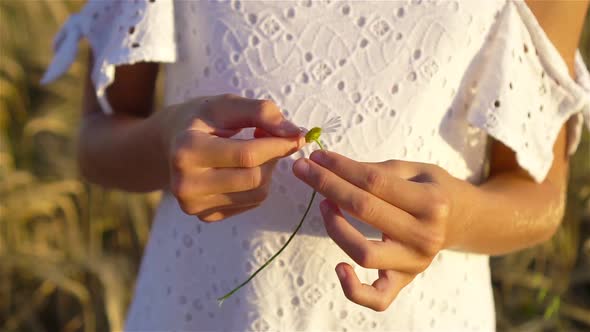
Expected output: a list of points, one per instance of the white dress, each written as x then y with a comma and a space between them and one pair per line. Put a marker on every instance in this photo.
415, 80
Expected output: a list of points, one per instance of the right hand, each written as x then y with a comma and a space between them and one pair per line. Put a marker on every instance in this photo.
213, 176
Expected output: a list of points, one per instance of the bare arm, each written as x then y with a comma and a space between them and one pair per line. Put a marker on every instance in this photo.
510, 211
123, 150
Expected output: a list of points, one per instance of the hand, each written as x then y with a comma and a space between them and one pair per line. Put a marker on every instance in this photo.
408, 202
212, 175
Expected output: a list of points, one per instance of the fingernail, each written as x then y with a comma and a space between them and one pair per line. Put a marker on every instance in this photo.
290, 128
340, 272
318, 156
301, 167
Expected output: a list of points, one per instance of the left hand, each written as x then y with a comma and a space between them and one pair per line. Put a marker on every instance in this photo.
409, 202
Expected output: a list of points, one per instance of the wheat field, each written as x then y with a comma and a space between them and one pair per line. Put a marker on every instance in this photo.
69, 250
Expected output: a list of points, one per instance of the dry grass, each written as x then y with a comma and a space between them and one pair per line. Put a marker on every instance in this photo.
69, 251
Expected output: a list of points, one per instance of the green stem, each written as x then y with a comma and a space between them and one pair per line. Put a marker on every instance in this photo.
319, 144
230, 293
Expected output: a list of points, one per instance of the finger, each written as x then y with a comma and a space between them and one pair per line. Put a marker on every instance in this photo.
387, 254
377, 296
239, 199
223, 132
210, 203
232, 112
230, 180
370, 209
218, 215
386, 181
213, 151
259, 133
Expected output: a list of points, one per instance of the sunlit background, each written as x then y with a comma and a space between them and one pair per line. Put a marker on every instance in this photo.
69, 251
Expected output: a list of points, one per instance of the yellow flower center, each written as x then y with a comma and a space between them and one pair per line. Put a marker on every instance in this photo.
313, 135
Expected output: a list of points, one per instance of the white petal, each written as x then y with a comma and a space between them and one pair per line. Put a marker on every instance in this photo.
332, 125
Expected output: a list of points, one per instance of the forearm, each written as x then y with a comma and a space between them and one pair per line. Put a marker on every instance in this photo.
506, 213
122, 151
509, 211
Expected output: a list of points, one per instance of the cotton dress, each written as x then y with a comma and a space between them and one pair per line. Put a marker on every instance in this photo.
427, 81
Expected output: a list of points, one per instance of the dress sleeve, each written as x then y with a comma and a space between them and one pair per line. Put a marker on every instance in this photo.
522, 93
119, 32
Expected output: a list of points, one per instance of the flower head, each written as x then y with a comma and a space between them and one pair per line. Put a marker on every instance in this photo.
330, 126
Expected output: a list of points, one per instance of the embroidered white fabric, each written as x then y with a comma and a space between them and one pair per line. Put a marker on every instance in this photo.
425, 81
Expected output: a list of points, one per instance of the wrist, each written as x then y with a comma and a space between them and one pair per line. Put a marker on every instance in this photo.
158, 136
159, 125
464, 200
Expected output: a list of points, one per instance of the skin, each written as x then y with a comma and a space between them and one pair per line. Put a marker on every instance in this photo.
419, 208
184, 148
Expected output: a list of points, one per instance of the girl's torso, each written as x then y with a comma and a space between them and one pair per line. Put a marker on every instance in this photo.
394, 72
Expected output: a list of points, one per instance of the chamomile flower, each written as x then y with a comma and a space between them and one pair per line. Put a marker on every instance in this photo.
311, 135
330, 126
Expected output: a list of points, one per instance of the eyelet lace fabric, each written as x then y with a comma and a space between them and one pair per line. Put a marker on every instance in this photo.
426, 81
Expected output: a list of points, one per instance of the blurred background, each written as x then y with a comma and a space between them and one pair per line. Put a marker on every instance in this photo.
69, 251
